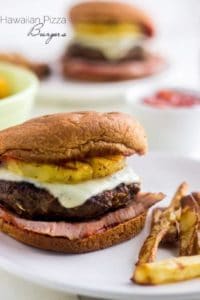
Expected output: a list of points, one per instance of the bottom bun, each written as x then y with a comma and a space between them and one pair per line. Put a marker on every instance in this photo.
81, 69
108, 238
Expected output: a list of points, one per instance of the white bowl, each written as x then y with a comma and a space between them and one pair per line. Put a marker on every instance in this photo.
16, 108
174, 130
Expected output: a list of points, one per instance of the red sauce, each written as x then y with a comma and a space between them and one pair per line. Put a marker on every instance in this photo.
172, 98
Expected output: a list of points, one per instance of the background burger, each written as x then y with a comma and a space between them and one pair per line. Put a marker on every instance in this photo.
109, 43
65, 185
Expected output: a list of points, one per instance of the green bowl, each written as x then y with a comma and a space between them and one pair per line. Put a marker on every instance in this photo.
17, 107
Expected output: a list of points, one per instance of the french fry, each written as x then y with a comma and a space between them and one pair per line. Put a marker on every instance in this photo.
196, 196
156, 214
197, 244
171, 236
169, 270
159, 230
180, 193
189, 224
42, 70
149, 249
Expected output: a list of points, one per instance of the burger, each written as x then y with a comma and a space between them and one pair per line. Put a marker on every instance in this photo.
109, 43
65, 185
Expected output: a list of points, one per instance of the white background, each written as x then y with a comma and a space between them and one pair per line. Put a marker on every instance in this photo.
174, 18
178, 33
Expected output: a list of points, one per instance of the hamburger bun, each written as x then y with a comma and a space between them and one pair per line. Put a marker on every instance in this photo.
71, 136
82, 69
108, 238
111, 12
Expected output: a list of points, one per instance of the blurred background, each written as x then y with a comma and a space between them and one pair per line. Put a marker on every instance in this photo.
178, 30
178, 19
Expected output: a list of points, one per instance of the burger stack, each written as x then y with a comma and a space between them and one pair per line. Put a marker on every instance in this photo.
109, 43
65, 184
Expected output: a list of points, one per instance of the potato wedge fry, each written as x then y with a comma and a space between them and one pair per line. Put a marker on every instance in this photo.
189, 223
156, 214
169, 270
180, 193
196, 249
197, 244
158, 231
171, 236
196, 195
149, 249
42, 70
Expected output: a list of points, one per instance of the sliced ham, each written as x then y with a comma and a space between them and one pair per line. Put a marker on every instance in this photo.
74, 231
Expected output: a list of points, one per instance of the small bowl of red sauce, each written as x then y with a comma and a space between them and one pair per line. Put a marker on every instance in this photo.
171, 117
171, 98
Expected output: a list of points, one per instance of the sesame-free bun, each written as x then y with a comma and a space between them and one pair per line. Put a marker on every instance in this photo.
68, 136
111, 12
84, 70
108, 238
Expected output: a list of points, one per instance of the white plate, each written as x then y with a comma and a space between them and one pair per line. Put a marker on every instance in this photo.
76, 93
106, 273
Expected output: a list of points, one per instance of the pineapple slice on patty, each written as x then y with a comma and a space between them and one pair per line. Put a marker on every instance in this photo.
98, 29
70, 172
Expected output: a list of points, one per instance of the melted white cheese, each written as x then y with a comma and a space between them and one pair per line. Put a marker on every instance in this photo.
112, 48
72, 195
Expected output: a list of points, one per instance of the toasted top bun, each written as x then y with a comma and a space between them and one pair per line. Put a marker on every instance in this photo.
69, 136
111, 12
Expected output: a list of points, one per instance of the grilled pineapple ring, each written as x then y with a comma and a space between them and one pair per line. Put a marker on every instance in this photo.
97, 29
71, 172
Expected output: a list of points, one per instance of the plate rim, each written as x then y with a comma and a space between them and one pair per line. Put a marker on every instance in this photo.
75, 289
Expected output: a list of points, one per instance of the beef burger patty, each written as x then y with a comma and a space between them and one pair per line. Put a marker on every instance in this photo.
79, 51
31, 202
